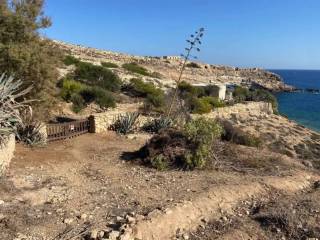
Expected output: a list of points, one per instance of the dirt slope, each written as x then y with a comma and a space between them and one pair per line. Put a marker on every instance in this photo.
75, 188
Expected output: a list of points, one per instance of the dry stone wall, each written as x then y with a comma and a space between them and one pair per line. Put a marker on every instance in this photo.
104, 120
242, 111
6, 153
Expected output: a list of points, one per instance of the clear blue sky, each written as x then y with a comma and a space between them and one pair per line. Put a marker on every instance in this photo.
283, 34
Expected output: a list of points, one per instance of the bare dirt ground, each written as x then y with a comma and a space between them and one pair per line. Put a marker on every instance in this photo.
279, 216
69, 189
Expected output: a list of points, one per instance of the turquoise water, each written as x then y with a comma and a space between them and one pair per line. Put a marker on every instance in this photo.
304, 107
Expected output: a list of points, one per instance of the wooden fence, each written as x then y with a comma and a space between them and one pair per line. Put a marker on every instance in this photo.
61, 131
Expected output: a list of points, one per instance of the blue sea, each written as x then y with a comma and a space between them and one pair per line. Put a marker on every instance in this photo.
303, 107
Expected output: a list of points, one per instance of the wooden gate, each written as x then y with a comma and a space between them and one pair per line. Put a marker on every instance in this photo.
59, 131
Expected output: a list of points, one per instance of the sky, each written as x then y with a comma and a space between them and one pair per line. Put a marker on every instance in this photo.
271, 34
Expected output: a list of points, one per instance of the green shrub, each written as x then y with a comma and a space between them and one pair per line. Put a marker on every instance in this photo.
265, 96
187, 90
238, 136
154, 97
70, 87
159, 162
201, 132
156, 75
78, 102
70, 60
188, 148
214, 102
193, 65
155, 125
241, 94
135, 68
155, 101
124, 124
97, 76
109, 65
201, 105
95, 94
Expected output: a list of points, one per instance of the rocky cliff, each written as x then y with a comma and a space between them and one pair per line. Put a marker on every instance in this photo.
168, 69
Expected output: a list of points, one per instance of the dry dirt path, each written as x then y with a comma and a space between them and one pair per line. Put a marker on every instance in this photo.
75, 187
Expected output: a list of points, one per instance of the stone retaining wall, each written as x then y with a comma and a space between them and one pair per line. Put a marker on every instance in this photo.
103, 121
6, 153
242, 111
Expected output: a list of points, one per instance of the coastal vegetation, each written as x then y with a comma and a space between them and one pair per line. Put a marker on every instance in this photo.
10, 91
109, 65
27, 56
198, 99
154, 98
136, 68
242, 94
193, 141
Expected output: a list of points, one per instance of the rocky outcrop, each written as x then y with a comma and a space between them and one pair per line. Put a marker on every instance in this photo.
169, 69
6, 153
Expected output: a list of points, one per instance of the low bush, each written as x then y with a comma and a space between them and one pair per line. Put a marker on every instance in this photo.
70, 60
97, 76
136, 68
193, 65
155, 102
78, 102
70, 87
187, 148
265, 96
102, 97
187, 90
214, 102
238, 136
156, 75
243, 94
109, 65
201, 105
154, 97
125, 123
155, 125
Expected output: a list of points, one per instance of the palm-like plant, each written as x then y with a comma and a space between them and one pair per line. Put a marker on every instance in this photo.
10, 91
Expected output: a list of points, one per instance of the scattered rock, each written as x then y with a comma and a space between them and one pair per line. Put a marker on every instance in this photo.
185, 236
114, 235
68, 221
130, 219
316, 184
83, 216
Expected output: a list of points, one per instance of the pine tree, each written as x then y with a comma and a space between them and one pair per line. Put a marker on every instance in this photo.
23, 53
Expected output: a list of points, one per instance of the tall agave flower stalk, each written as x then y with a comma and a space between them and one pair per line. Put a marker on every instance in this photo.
10, 91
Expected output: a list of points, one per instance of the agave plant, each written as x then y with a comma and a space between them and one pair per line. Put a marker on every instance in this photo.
155, 125
125, 123
29, 131
10, 91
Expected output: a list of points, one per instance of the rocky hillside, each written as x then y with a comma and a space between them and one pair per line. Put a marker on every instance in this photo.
167, 69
